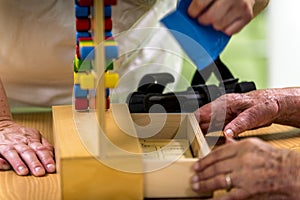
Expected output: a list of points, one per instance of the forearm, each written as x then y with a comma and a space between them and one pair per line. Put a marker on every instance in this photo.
259, 6
5, 113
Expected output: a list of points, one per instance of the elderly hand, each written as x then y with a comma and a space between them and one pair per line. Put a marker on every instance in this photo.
229, 16
249, 169
241, 112
25, 150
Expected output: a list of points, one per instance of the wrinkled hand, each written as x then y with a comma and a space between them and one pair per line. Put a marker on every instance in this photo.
228, 16
25, 150
241, 112
256, 169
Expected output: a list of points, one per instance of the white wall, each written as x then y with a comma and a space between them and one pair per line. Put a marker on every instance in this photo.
284, 43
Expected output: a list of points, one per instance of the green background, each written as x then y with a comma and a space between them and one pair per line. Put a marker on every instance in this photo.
246, 53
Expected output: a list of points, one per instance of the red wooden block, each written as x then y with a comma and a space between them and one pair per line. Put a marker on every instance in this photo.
107, 103
85, 2
108, 24
110, 2
81, 103
83, 24
85, 39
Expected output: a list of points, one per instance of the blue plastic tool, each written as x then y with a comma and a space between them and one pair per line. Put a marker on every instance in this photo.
203, 44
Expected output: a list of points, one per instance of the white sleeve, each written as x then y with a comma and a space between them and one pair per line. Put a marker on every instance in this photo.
145, 45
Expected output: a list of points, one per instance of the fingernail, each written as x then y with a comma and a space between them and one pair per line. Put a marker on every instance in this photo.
22, 170
196, 166
39, 170
50, 168
195, 186
229, 133
5, 167
195, 178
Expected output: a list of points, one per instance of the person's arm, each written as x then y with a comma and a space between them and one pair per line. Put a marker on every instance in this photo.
249, 169
5, 114
228, 16
22, 148
241, 112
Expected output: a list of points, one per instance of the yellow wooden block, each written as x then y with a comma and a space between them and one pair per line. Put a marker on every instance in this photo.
87, 81
110, 43
85, 43
76, 78
111, 79
84, 171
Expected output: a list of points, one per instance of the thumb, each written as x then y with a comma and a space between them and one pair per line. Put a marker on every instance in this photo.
229, 136
229, 139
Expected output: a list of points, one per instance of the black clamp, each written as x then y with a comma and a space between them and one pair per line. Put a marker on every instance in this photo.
149, 96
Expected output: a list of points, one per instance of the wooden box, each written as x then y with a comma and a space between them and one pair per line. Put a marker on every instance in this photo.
179, 144
133, 157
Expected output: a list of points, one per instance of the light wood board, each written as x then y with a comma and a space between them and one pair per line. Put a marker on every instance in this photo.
13, 187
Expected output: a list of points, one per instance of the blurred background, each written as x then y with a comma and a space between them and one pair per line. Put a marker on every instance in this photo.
266, 50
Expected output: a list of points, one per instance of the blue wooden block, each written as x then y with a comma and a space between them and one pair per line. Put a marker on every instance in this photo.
107, 11
87, 52
82, 11
107, 92
108, 34
111, 52
79, 93
83, 34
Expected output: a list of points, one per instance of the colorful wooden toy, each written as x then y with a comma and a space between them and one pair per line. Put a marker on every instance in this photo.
84, 72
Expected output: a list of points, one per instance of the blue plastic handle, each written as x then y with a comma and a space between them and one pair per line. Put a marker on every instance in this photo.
203, 44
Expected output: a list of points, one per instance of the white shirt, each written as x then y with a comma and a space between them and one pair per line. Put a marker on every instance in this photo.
38, 46
36, 52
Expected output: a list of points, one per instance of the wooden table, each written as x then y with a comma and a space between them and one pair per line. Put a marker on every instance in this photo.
13, 187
